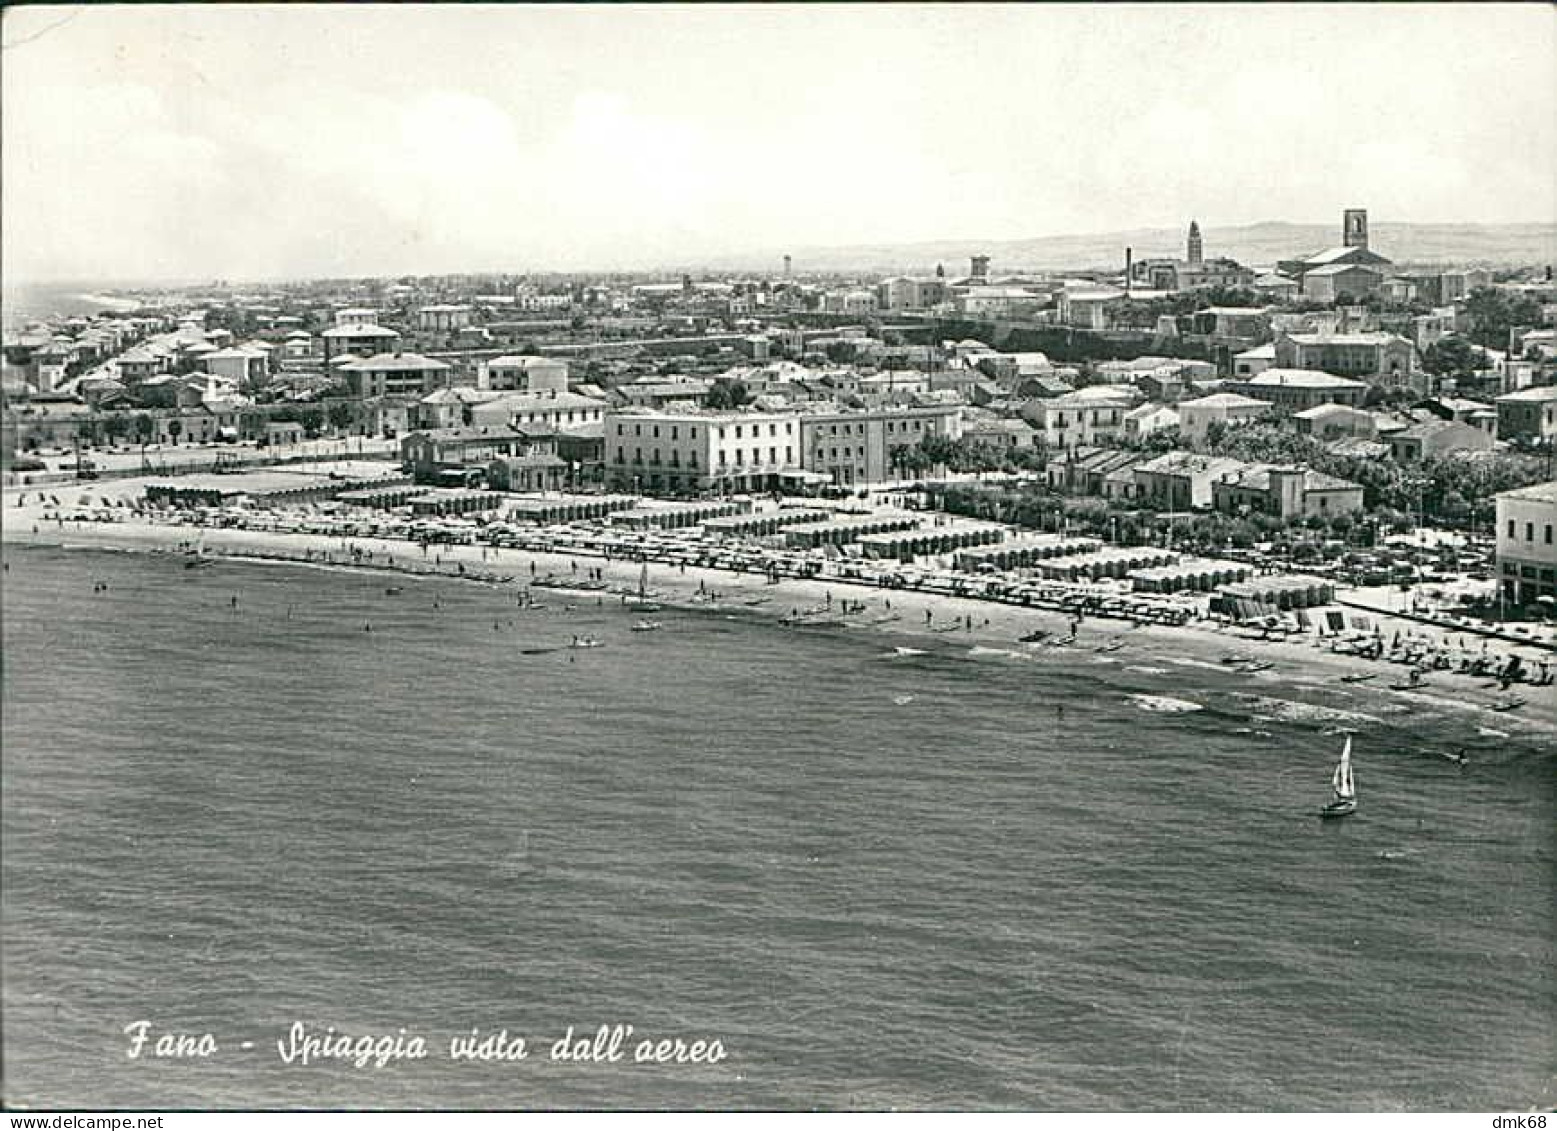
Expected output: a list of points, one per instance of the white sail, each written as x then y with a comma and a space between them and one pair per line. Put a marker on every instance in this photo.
1345, 787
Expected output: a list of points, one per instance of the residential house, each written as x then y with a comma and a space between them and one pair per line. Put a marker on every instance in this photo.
524, 374
1328, 422
394, 374
427, 454
1276, 287
1529, 414
1478, 414
360, 338
447, 408
1002, 432
1293, 390
1197, 416
1086, 416
1286, 492
1179, 481
1253, 361
1437, 438
549, 411
1144, 419
245, 368
1084, 471
534, 465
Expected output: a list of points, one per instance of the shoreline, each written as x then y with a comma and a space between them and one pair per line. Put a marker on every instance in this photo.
991, 626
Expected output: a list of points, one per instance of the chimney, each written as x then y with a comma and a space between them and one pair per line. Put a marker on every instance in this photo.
1129, 267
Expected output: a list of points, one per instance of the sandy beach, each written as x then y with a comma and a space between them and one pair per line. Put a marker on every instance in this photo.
930, 617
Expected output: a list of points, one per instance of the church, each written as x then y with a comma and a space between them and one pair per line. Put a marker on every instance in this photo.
1193, 272
1351, 269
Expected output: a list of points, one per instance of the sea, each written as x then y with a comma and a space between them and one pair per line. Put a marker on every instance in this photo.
24, 303
881, 872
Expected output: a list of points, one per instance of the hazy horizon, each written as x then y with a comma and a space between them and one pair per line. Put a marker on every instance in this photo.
184, 143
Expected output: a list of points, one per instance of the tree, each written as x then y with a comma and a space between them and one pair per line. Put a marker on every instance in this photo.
312, 420
1453, 356
726, 394
145, 428
115, 426
174, 429
1494, 313
341, 415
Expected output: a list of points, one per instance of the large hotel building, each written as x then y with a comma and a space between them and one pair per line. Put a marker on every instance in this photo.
694, 450
700, 450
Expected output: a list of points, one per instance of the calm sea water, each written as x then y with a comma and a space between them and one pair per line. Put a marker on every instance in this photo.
22, 304
231, 820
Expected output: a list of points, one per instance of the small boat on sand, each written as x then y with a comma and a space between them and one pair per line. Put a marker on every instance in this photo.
586, 642
1508, 705
1258, 666
1359, 677
647, 626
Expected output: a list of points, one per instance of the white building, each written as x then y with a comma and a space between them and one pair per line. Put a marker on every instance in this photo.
698, 450
1196, 416
553, 410
524, 374
442, 317
1527, 544
1088, 416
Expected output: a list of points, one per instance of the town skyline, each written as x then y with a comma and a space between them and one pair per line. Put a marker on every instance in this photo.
387, 141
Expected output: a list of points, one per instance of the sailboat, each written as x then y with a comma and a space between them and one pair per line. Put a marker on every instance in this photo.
1345, 803
641, 602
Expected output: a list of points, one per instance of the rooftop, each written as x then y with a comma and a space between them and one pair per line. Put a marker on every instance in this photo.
1225, 400
395, 362
1359, 338
1257, 478
1538, 493
1191, 463
1342, 268
360, 330
1304, 379
1324, 411
1537, 395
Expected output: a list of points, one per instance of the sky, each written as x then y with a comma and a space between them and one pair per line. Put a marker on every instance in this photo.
291, 141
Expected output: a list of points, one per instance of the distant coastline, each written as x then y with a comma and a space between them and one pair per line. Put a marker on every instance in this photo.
23, 303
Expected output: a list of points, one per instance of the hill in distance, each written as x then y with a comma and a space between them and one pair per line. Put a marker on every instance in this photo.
1255, 245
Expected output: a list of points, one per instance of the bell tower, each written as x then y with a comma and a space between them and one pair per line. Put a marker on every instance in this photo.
1196, 251
1354, 228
